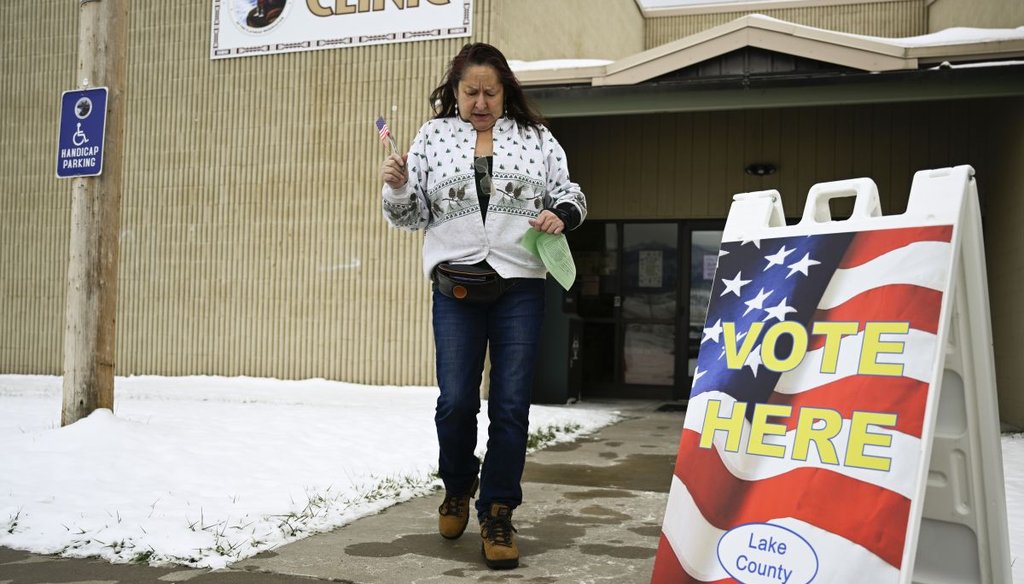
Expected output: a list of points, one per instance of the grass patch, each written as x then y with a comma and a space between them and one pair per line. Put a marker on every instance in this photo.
544, 436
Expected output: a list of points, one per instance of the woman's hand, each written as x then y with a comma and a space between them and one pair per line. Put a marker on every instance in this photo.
394, 172
547, 222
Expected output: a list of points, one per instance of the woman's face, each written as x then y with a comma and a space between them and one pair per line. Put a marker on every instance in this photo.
481, 97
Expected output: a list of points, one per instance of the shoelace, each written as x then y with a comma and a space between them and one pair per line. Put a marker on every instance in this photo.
499, 530
454, 504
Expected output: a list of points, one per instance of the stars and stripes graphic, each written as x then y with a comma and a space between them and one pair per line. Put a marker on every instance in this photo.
383, 131
854, 516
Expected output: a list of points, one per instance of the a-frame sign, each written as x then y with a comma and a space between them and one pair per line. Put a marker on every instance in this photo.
842, 426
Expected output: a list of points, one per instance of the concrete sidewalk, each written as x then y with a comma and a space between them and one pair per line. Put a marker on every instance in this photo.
591, 512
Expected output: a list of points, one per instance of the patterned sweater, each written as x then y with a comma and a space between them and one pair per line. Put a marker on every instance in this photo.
530, 174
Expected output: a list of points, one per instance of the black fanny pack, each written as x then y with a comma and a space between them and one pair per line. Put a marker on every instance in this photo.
470, 283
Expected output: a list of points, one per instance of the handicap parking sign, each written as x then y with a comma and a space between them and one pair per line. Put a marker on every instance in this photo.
83, 116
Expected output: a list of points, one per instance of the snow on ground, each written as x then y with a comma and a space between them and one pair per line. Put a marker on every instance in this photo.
205, 471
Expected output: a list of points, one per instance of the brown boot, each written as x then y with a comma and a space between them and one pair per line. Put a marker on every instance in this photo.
499, 545
453, 514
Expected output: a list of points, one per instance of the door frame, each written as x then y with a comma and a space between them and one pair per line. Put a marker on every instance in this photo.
617, 387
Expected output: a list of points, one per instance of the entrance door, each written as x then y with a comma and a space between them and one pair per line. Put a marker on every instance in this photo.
627, 297
642, 297
648, 312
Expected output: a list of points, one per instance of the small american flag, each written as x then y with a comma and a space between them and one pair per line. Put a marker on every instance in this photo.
383, 130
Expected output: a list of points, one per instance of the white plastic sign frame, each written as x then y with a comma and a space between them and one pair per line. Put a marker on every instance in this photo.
766, 495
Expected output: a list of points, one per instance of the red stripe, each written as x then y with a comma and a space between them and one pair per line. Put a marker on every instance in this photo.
902, 396
894, 303
868, 245
867, 515
667, 569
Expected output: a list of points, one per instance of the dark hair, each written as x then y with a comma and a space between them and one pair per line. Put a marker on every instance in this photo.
443, 99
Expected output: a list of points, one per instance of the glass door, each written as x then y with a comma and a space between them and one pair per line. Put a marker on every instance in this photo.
627, 298
641, 299
647, 317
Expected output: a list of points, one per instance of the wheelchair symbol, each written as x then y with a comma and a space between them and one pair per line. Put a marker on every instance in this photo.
79, 138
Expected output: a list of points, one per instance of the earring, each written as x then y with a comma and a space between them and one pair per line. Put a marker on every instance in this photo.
457, 111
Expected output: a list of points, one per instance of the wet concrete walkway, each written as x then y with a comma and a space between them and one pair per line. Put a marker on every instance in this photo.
591, 513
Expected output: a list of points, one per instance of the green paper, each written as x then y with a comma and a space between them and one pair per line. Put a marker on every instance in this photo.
553, 250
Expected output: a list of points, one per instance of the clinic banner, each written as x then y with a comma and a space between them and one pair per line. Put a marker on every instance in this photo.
263, 27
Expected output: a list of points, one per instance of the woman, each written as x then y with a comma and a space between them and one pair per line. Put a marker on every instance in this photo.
478, 175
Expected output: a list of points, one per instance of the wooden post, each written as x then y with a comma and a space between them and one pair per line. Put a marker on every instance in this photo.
90, 318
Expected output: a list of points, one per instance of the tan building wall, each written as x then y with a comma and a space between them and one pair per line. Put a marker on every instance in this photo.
40, 43
531, 30
944, 14
900, 18
252, 237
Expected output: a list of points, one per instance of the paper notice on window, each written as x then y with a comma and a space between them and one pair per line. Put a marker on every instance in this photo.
553, 250
649, 269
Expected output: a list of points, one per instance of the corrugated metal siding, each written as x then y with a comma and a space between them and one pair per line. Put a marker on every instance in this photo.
885, 19
943, 14
252, 237
688, 165
568, 29
39, 48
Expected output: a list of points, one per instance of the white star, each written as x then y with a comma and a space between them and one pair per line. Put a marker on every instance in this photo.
734, 285
754, 360
756, 242
757, 302
802, 265
697, 374
778, 258
722, 252
712, 332
779, 311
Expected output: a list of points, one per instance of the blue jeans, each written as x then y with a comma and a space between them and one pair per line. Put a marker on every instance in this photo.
462, 331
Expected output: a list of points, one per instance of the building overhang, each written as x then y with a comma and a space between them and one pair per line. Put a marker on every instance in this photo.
753, 92
959, 63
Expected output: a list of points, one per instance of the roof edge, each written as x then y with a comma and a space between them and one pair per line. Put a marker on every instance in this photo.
745, 6
764, 32
865, 53
561, 76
